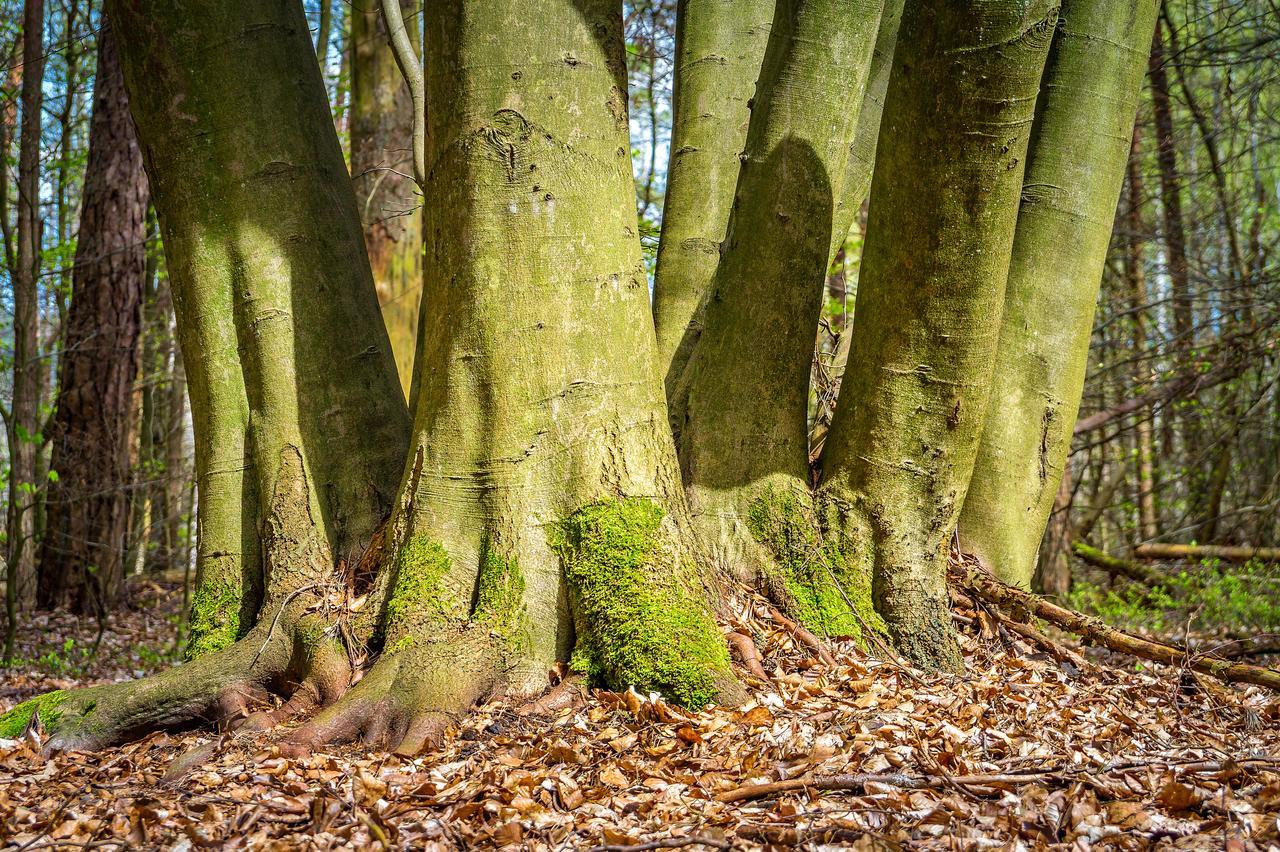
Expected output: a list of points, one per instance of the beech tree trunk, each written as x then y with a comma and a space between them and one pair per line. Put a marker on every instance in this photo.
1076, 164
944, 204
82, 556
719, 45
743, 436
541, 516
381, 127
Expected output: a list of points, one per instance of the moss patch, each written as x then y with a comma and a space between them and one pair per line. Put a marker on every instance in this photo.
643, 623
813, 567
419, 592
215, 618
13, 723
500, 595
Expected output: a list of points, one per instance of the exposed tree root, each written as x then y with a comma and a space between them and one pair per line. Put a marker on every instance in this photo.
298, 660
570, 692
745, 648
977, 580
411, 697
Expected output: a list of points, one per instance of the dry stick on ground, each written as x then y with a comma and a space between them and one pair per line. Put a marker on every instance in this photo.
1062, 773
972, 577
667, 843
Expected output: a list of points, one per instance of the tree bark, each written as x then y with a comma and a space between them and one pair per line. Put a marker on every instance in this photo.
1076, 163
944, 206
81, 560
301, 430
745, 455
22, 424
719, 45
381, 128
542, 517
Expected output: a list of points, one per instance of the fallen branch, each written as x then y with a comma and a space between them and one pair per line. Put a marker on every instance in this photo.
1116, 565
977, 580
1206, 551
860, 780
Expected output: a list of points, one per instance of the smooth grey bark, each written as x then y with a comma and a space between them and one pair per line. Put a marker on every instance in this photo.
1076, 164
944, 205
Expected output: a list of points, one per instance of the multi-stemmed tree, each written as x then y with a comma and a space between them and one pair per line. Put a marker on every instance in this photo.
537, 508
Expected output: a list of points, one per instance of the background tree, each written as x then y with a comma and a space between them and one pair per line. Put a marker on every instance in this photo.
81, 560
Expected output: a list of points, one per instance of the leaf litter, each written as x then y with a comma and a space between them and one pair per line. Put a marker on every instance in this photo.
1038, 746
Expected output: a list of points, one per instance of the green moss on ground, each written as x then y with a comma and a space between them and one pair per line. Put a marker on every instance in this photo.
13, 723
643, 622
215, 618
814, 570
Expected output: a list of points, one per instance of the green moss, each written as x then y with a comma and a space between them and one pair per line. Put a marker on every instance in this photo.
500, 595
642, 622
812, 566
421, 566
215, 618
13, 723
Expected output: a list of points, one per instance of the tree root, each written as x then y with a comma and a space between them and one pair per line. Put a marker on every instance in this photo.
977, 580
745, 647
410, 698
299, 661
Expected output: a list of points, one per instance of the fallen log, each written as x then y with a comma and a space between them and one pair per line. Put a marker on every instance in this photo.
1116, 565
1227, 553
977, 580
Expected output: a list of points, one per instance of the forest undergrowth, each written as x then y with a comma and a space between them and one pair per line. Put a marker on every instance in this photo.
1039, 744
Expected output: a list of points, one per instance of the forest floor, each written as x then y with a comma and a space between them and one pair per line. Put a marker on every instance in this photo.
1028, 750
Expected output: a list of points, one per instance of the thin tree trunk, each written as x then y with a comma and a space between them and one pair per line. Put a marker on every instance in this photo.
901, 449
719, 45
1076, 165
22, 424
381, 126
82, 558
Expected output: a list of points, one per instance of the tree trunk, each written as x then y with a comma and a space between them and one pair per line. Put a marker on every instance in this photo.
1076, 164
944, 205
82, 558
1053, 570
745, 456
23, 426
301, 430
381, 126
719, 45
542, 517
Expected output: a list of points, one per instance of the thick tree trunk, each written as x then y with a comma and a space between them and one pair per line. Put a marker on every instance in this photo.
745, 454
22, 424
944, 205
381, 126
81, 561
541, 518
719, 45
301, 429
1076, 164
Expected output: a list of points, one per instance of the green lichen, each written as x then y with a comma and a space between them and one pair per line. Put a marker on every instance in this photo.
500, 595
13, 723
812, 567
641, 621
215, 618
419, 591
